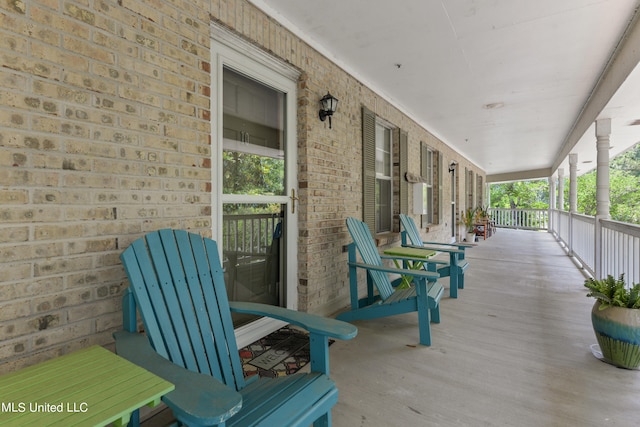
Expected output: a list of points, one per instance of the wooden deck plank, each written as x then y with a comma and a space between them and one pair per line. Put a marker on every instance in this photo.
514, 351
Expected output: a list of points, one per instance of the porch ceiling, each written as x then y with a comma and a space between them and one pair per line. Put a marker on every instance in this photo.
514, 86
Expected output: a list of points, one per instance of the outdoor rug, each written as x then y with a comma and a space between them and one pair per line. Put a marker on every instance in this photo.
280, 353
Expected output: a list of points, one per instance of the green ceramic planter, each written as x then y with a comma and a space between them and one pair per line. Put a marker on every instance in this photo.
618, 332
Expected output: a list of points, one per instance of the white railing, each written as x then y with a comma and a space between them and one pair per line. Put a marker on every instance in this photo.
582, 241
562, 231
529, 219
618, 249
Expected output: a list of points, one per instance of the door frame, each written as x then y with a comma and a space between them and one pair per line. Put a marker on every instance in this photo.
453, 168
229, 50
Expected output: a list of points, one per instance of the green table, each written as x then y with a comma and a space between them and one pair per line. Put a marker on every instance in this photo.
90, 387
410, 252
404, 252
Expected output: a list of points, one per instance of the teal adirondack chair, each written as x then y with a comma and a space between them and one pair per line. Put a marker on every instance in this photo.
177, 285
423, 297
456, 266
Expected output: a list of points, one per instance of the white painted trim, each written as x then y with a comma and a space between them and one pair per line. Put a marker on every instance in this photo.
228, 49
231, 40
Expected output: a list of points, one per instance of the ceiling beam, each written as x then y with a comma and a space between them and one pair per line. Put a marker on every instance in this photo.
622, 62
520, 176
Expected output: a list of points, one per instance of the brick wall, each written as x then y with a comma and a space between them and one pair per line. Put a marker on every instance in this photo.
105, 134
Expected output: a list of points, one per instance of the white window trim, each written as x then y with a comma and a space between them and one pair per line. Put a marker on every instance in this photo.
379, 176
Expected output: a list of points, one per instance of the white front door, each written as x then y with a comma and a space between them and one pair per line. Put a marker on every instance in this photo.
254, 172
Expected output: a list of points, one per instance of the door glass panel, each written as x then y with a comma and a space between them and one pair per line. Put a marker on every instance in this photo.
253, 137
252, 254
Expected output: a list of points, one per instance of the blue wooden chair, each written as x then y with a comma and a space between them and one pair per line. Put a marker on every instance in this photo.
423, 297
456, 266
177, 285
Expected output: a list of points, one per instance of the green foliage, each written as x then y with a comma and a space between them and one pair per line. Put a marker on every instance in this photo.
252, 174
613, 292
520, 195
469, 218
624, 191
624, 188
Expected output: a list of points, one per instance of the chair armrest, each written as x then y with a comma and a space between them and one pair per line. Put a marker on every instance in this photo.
407, 272
198, 398
316, 324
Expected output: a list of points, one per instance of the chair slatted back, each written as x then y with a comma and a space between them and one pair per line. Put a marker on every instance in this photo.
411, 229
178, 284
369, 253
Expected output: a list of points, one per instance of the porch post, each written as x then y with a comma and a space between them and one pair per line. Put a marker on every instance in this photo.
560, 206
573, 182
552, 203
560, 189
573, 195
603, 132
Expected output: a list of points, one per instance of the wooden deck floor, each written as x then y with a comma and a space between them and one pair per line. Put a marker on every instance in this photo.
512, 350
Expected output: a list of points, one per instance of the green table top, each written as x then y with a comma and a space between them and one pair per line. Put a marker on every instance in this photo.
410, 252
90, 387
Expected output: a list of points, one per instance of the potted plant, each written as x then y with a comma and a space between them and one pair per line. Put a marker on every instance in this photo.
469, 219
483, 213
616, 320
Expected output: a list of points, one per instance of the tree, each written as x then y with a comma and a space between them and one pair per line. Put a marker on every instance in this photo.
624, 191
624, 188
520, 195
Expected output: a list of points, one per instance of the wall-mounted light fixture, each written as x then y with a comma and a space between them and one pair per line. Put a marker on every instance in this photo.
329, 105
453, 166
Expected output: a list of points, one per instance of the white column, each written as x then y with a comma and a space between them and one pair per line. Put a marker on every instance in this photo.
552, 192
552, 203
560, 189
603, 132
573, 196
573, 182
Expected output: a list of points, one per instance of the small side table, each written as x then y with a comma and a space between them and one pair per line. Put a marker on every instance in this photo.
402, 251
90, 387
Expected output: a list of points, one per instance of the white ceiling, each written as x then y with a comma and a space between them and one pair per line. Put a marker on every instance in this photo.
504, 82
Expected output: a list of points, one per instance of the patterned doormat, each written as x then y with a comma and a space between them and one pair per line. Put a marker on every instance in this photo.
280, 353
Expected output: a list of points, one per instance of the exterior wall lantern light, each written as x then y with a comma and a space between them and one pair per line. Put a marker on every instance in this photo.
453, 166
329, 105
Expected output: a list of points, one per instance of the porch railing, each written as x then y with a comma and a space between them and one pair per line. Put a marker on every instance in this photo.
621, 250
248, 235
529, 219
615, 252
582, 242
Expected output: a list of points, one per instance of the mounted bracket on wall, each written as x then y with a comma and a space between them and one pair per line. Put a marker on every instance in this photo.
413, 178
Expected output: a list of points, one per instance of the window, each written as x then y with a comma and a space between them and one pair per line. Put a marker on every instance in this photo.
384, 179
426, 166
384, 162
431, 172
